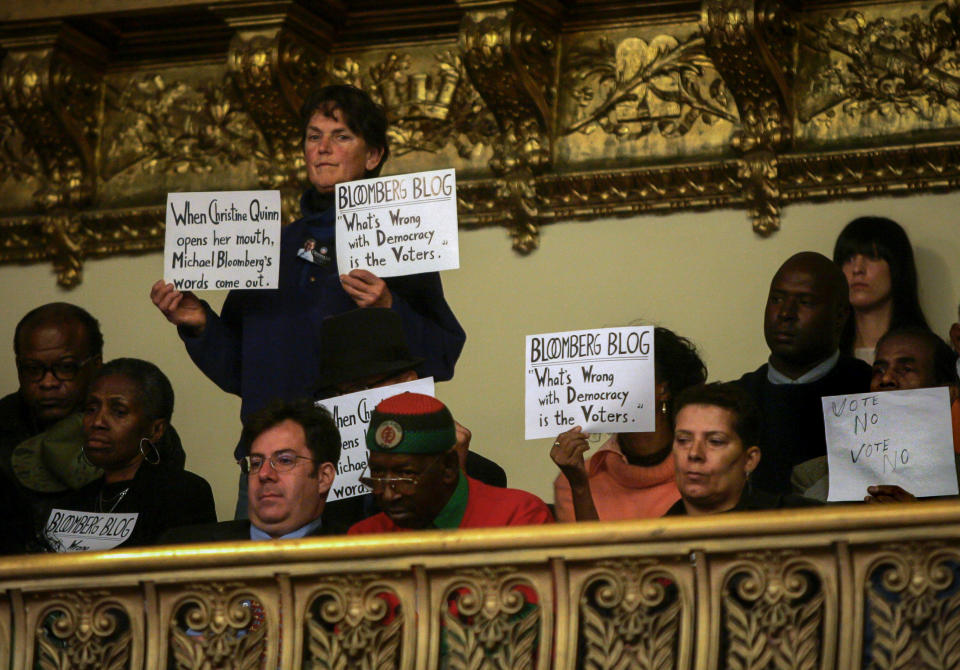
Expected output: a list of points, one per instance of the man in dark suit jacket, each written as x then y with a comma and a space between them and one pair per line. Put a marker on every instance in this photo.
807, 307
294, 449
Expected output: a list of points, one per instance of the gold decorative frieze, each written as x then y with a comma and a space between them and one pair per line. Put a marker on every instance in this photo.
836, 588
355, 624
550, 110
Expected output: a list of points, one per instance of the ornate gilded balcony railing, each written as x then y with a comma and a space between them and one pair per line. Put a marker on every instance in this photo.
801, 589
549, 109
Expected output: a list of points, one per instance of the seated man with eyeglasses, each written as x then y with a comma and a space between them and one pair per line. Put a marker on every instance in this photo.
415, 475
58, 347
294, 449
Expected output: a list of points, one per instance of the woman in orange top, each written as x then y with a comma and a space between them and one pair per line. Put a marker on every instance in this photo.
632, 475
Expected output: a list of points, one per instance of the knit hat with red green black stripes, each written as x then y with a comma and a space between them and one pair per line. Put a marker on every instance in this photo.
411, 423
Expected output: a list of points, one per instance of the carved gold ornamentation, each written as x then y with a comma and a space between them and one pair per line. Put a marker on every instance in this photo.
52, 97
914, 607
217, 625
629, 617
491, 622
886, 68
633, 88
273, 76
95, 123
510, 58
178, 128
745, 39
83, 630
354, 623
773, 606
18, 160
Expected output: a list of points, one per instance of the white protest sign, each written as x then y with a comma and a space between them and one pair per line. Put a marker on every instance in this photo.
69, 530
893, 437
599, 379
399, 225
352, 415
222, 240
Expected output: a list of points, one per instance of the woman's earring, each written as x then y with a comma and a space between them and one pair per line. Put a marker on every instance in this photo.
663, 407
146, 454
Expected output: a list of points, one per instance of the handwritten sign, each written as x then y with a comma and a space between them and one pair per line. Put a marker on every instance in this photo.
225, 240
599, 379
398, 225
69, 530
352, 415
894, 437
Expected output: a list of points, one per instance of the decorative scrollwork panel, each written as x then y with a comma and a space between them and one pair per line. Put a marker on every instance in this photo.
225, 625
774, 610
632, 613
911, 606
492, 619
879, 71
85, 630
357, 622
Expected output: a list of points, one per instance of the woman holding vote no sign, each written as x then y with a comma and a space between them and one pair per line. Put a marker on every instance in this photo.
263, 344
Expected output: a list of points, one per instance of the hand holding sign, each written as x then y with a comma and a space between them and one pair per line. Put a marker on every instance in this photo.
180, 308
398, 225
220, 240
367, 289
600, 379
567, 452
896, 441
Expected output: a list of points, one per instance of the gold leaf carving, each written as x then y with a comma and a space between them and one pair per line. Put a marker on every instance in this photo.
773, 608
492, 622
354, 623
630, 617
217, 625
913, 607
178, 128
885, 68
84, 630
633, 88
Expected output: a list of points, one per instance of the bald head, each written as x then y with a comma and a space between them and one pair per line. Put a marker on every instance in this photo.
806, 310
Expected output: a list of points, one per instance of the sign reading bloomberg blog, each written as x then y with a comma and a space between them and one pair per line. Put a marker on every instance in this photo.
399, 225
222, 240
601, 380
351, 412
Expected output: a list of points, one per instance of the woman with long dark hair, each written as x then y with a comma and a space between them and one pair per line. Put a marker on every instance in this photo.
877, 258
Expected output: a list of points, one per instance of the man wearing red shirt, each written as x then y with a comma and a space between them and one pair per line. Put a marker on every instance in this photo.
415, 474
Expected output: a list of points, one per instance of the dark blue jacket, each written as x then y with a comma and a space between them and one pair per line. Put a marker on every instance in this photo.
265, 343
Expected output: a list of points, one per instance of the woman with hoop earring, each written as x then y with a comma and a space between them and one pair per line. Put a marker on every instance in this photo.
143, 491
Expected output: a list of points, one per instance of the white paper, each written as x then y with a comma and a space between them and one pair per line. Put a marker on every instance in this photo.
69, 530
352, 415
601, 380
892, 437
222, 240
399, 225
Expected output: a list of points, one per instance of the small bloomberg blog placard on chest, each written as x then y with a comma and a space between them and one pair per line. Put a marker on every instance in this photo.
222, 240
351, 412
399, 225
601, 380
69, 530
891, 437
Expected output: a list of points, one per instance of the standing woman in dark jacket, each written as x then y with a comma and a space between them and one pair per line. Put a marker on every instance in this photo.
876, 257
125, 424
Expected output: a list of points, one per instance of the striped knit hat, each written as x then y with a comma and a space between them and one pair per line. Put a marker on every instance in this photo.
411, 423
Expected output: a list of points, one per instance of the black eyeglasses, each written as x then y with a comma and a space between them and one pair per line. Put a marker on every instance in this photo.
283, 461
405, 486
64, 370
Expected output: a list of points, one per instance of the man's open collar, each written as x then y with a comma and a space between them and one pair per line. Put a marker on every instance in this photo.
452, 513
819, 371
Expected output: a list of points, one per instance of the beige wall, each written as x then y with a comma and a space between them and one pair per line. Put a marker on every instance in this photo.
703, 275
